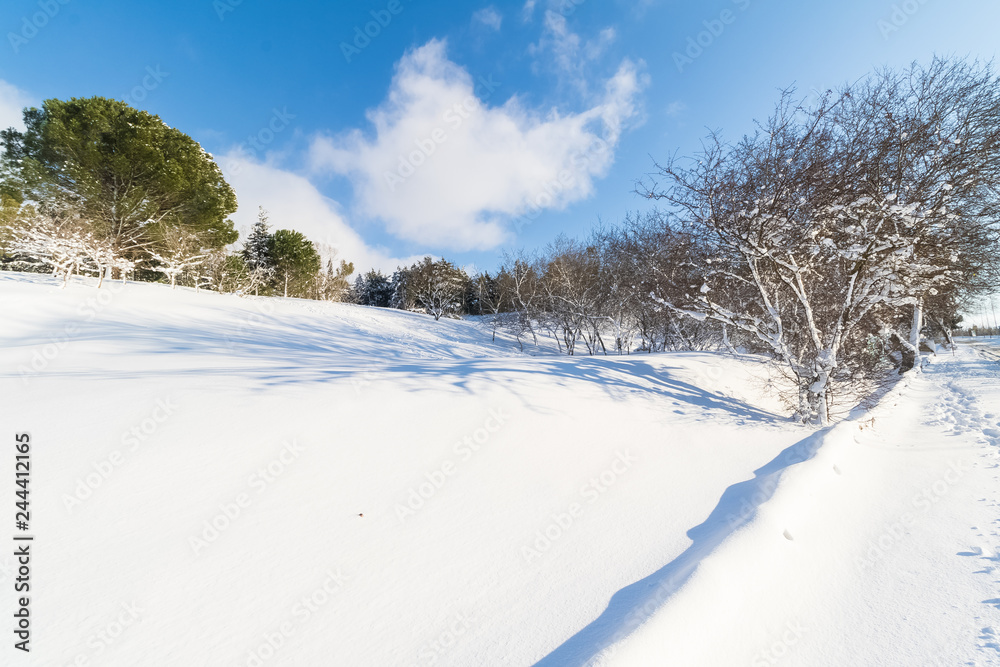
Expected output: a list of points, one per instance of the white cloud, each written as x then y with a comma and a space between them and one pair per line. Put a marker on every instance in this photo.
489, 17
445, 168
675, 109
566, 51
295, 203
528, 10
558, 38
597, 47
12, 102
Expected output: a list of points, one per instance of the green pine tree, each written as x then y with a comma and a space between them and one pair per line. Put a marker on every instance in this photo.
296, 262
123, 171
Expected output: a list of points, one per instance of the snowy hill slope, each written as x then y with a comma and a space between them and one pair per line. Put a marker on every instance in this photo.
225, 481
882, 549
159, 411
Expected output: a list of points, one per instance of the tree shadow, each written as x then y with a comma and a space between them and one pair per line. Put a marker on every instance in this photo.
633, 605
297, 350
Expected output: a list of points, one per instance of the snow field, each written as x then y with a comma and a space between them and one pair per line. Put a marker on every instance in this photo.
860, 556
221, 519
250, 482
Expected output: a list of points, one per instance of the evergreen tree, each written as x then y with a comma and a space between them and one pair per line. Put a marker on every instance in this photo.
296, 262
259, 245
438, 287
358, 291
123, 171
258, 253
379, 289
400, 285
373, 289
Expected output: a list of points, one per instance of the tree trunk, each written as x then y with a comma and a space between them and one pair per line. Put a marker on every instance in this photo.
815, 409
947, 333
601, 341
725, 340
911, 348
917, 324
909, 353
286, 284
814, 390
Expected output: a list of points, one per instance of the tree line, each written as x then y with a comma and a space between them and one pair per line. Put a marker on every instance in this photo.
835, 239
96, 187
841, 233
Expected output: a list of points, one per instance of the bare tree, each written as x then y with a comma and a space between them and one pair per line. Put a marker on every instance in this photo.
53, 240
180, 252
831, 217
522, 289
494, 297
570, 281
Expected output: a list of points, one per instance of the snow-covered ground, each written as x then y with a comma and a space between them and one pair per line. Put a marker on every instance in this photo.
226, 481
883, 549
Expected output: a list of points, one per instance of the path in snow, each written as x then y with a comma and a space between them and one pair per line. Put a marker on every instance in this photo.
882, 549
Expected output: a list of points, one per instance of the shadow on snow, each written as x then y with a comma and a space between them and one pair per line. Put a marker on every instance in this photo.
637, 602
296, 350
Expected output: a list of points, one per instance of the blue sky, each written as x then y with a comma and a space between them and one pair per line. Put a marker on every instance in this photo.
458, 129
